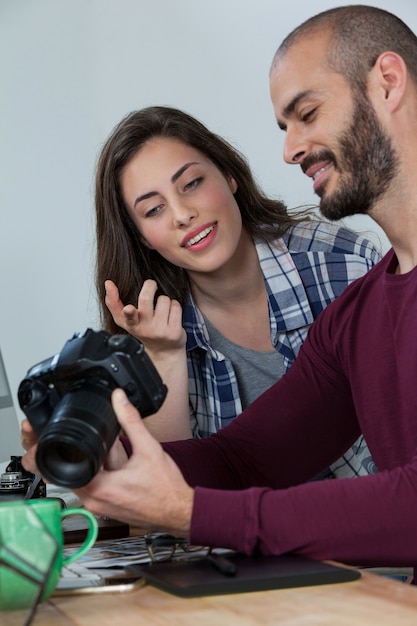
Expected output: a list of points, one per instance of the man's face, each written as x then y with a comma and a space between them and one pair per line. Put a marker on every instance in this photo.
332, 133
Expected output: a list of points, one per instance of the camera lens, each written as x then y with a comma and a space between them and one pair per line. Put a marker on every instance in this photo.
68, 454
75, 442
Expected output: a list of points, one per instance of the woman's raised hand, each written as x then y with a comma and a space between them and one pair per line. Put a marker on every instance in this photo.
158, 326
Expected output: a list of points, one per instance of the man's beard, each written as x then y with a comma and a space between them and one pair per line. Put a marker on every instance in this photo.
367, 164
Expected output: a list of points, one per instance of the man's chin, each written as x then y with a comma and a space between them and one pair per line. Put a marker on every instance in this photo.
326, 203
337, 204
332, 209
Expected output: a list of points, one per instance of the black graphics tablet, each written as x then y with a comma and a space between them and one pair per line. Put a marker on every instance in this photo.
201, 577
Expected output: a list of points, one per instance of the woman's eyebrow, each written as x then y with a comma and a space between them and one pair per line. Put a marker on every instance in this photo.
145, 196
181, 171
174, 178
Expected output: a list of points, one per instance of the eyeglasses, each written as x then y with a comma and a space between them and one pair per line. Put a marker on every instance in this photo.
163, 547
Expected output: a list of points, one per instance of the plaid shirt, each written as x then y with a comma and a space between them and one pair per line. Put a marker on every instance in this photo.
304, 271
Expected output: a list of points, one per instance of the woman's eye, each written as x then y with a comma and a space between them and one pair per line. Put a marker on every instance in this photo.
154, 211
193, 183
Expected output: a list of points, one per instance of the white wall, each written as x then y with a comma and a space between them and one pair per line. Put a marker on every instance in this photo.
69, 70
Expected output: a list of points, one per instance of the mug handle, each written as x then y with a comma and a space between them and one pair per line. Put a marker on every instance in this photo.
91, 535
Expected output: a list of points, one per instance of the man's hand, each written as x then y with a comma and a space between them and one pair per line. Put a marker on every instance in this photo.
29, 441
148, 490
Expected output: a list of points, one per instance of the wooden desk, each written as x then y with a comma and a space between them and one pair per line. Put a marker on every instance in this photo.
372, 600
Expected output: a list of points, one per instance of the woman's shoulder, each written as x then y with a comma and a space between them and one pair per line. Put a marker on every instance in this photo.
320, 236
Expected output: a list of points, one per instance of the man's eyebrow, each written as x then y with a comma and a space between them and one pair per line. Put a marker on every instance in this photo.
174, 178
291, 106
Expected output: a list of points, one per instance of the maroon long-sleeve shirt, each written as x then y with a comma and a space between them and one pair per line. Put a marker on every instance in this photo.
356, 372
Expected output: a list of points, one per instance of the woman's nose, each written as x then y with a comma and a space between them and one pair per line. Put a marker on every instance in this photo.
183, 215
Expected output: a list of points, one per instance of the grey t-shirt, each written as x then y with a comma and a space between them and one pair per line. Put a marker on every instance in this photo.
255, 371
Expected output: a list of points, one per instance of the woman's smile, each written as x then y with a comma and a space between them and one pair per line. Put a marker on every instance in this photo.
199, 236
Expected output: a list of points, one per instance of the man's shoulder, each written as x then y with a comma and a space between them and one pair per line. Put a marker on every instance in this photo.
359, 293
320, 236
337, 327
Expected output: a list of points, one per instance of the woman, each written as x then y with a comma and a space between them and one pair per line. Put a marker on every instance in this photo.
219, 282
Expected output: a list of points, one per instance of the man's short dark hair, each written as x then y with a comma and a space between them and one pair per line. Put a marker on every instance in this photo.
358, 34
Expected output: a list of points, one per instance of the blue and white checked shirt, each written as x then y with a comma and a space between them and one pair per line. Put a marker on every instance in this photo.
304, 271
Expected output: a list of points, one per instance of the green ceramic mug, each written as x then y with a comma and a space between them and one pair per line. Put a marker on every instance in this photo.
31, 549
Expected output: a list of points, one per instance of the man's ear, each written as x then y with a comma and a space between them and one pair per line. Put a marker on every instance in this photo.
389, 77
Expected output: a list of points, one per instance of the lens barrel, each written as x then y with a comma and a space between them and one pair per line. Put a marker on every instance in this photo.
75, 442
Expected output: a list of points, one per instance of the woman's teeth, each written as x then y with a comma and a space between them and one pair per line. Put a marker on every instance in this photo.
199, 237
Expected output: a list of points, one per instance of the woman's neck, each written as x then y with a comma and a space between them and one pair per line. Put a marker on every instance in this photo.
234, 284
235, 301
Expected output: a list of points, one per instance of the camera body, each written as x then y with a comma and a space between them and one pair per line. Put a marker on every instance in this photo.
66, 398
18, 484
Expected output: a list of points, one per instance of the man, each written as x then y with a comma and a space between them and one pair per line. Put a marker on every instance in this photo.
344, 90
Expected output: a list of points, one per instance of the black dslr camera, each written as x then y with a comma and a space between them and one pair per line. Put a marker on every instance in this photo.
66, 398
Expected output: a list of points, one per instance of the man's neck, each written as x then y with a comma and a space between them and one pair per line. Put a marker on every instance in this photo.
398, 219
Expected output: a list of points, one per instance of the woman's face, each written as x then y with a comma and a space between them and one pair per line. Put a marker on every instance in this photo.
182, 205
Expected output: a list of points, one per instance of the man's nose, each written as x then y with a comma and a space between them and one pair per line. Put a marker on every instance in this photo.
295, 147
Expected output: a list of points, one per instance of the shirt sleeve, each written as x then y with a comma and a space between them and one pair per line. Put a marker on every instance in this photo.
362, 521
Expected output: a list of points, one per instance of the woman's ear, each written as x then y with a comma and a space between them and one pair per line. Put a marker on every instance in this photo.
232, 183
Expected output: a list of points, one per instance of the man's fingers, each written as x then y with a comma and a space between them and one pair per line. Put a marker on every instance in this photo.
130, 421
27, 435
29, 460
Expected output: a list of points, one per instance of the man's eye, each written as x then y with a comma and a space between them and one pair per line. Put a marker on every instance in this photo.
305, 117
